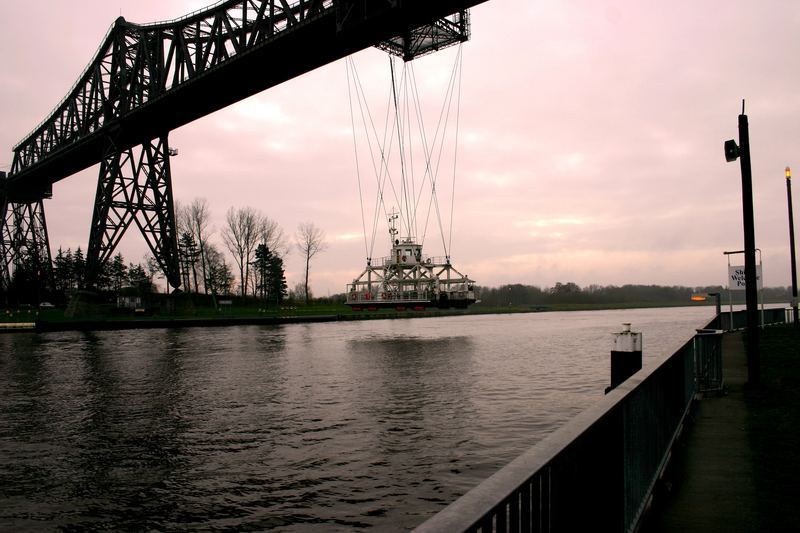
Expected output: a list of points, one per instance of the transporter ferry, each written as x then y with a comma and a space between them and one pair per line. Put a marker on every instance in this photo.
407, 279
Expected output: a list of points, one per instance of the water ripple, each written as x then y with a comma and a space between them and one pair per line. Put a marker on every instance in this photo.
324, 427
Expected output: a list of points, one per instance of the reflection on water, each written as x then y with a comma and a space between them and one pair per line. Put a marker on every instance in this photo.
301, 427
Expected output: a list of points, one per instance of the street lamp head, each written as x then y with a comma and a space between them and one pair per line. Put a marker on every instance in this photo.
731, 151
788, 173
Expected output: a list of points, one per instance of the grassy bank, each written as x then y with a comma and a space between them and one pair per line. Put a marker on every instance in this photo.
190, 312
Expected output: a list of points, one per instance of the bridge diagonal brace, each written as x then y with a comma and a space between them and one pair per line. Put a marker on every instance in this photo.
24, 243
135, 186
6, 239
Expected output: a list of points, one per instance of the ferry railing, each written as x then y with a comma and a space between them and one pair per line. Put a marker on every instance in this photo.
424, 260
600, 467
461, 291
388, 297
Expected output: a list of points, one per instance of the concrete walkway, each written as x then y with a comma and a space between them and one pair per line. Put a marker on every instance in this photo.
721, 476
710, 483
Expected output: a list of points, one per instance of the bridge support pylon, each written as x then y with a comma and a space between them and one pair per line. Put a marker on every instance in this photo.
134, 186
24, 245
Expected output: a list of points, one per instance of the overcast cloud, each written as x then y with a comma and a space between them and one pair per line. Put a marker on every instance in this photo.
590, 138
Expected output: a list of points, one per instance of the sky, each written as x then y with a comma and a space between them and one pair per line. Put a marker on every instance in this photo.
590, 139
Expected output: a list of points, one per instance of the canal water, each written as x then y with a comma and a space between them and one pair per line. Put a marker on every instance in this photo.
315, 427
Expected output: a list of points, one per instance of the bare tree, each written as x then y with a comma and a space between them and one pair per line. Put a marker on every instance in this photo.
299, 292
181, 228
241, 238
310, 241
271, 234
198, 215
181, 217
220, 278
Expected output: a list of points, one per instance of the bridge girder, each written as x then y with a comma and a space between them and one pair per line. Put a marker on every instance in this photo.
148, 79
135, 186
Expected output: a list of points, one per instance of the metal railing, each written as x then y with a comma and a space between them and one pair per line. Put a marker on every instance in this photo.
389, 296
601, 466
730, 321
424, 260
708, 360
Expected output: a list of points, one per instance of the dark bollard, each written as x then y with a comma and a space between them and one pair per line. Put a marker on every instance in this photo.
626, 357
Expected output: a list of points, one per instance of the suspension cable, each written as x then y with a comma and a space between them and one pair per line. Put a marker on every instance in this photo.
384, 173
460, 59
407, 120
399, 120
433, 172
358, 168
400, 138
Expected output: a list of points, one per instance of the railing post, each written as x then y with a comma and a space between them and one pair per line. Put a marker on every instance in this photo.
708, 360
626, 357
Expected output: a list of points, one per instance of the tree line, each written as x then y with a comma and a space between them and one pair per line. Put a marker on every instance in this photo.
256, 244
571, 293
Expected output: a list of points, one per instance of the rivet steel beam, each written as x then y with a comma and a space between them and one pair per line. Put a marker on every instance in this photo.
147, 79
134, 187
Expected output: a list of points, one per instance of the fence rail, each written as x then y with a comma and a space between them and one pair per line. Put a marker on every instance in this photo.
730, 321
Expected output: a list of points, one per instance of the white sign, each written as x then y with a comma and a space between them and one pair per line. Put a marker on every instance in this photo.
736, 280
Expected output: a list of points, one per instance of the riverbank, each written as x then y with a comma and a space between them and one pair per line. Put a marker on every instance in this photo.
223, 321
56, 319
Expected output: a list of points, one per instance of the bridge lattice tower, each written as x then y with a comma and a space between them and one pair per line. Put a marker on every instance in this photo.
148, 79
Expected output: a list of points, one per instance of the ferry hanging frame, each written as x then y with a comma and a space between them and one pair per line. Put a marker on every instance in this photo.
408, 279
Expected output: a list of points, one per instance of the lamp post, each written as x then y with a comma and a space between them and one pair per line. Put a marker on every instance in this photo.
742, 152
791, 245
717, 302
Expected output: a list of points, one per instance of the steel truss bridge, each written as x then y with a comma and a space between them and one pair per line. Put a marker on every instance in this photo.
148, 79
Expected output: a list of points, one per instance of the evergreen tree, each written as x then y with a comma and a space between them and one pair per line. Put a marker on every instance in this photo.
104, 277
269, 274
277, 289
62, 272
139, 278
24, 287
118, 272
78, 269
188, 254
261, 267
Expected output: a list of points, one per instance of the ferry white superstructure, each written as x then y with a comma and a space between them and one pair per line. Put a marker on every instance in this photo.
409, 279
